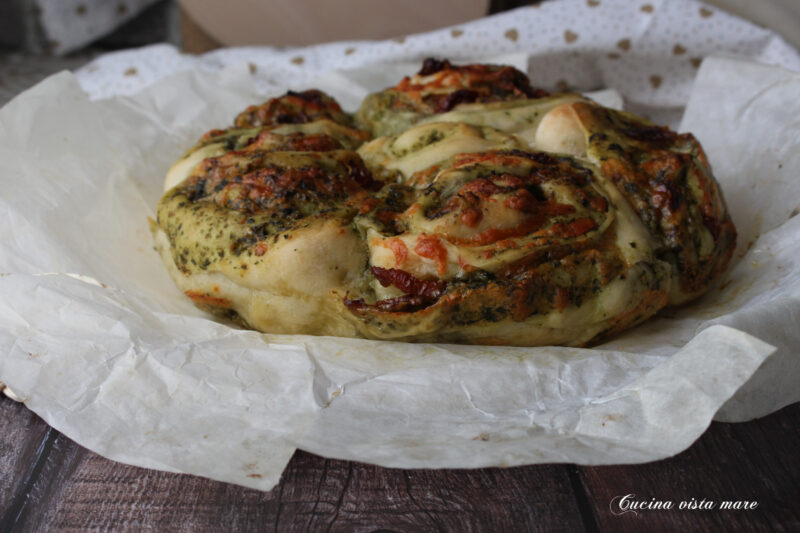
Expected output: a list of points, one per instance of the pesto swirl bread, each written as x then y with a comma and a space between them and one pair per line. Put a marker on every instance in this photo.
439, 87
499, 215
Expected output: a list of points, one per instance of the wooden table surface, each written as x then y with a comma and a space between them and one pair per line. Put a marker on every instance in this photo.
47, 482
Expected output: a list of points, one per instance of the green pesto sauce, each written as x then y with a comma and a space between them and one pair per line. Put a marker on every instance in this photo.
206, 237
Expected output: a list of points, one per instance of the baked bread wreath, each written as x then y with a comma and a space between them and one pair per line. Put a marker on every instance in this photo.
462, 205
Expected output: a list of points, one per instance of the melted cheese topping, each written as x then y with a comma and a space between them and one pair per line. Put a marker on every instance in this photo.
349, 138
499, 224
502, 243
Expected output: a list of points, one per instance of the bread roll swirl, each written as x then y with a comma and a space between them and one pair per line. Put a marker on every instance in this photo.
482, 210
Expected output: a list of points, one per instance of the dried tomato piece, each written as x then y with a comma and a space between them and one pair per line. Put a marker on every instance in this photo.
407, 282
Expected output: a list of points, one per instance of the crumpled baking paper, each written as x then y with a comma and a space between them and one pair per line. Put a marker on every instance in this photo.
97, 340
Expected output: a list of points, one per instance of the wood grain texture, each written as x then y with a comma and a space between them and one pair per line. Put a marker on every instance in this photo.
21, 433
55, 460
758, 460
79, 490
73, 489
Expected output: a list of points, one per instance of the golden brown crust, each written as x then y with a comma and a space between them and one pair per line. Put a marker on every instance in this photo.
292, 108
666, 178
560, 250
439, 87
450, 232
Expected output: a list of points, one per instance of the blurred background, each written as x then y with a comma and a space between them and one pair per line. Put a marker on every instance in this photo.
62, 27
39, 37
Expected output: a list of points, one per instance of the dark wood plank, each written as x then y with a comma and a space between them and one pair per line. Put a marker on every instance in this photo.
79, 490
12, 26
57, 458
75, 489
21, 436
758, 460
535, 498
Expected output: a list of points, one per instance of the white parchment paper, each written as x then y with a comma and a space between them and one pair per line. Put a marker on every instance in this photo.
95, 338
